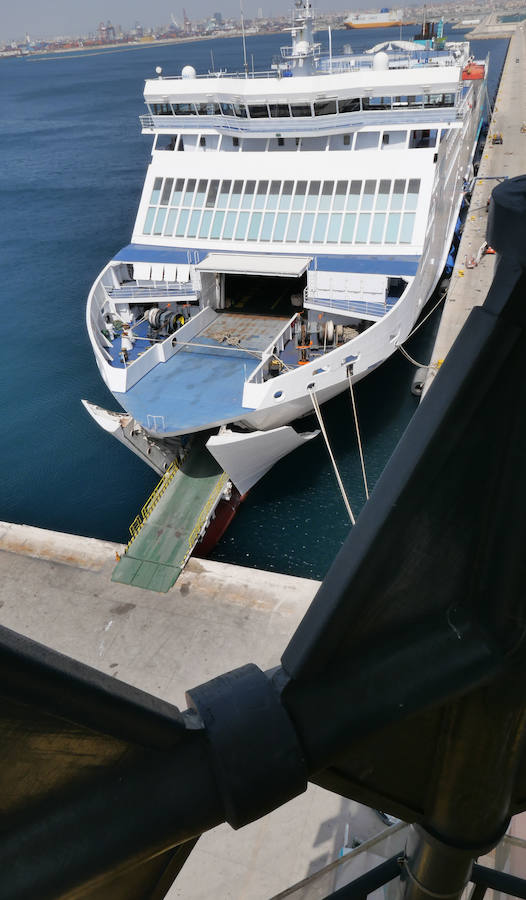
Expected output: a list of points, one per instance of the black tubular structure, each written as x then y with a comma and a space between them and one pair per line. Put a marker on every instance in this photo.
403, 688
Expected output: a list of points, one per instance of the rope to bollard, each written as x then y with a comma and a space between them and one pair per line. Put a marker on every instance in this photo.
358, 437
317, 410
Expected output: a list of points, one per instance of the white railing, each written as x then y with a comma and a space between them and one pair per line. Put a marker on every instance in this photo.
341, 302
151, 290
258, 376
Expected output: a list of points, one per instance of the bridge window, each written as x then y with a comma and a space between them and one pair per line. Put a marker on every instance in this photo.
299, 110
227, 109
206, 109
352, 104
240, 110
184, 109
325, 107
376, 103
279, 110
162, 109
258, 111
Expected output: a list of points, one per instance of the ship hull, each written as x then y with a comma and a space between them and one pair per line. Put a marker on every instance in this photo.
390, 24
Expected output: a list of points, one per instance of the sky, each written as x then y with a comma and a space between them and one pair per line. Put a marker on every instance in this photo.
50, 18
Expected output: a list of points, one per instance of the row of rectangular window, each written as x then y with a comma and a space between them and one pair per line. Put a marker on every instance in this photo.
303, 110
296, 195
331, 228
425, 138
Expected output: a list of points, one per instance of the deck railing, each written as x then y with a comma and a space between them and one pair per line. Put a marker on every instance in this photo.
152, 501
342, 303
161, 289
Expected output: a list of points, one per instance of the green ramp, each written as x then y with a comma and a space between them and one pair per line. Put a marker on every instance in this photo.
171, 525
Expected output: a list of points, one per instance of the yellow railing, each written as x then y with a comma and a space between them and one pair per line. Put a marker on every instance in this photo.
152, 502
205, 512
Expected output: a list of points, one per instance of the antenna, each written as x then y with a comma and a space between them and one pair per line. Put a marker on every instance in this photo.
244, 41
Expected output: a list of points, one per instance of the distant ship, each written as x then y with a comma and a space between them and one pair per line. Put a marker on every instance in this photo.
383, 19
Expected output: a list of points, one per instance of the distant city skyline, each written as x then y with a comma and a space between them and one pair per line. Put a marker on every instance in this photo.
73, 18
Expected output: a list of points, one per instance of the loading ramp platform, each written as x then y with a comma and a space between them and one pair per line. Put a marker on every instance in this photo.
171, 522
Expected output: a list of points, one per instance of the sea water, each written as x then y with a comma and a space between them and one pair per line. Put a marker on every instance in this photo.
73, 163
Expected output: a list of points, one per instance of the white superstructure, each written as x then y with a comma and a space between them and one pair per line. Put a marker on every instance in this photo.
292, 225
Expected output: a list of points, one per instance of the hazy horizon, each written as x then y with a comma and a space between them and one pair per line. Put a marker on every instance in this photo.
71, 18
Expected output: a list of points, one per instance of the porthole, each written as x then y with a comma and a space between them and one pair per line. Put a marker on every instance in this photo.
278, 395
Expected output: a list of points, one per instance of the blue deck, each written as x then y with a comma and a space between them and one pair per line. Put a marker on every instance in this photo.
370, 264
186, 393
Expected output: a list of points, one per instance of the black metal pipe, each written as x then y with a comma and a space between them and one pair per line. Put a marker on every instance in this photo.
369, 882
110, 824
499, 881
61, 686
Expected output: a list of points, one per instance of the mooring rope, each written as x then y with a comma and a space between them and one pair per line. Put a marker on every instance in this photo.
358, 437
317, 410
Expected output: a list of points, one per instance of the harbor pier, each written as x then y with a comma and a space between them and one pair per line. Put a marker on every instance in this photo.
57, 589
504, 156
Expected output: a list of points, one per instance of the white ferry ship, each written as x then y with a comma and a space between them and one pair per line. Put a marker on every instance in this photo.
292, 225
384, 19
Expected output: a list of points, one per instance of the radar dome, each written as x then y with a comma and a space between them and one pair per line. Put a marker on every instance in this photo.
302, 48
380, 61
188, 72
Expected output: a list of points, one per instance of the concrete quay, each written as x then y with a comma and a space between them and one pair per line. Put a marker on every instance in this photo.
469, 286
490, 28
56, 589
